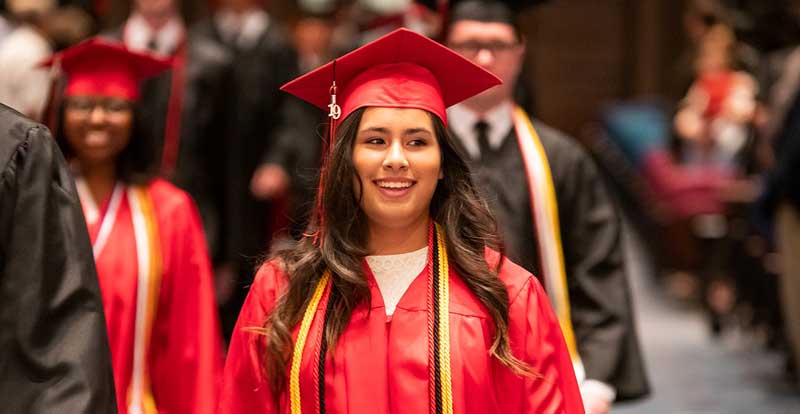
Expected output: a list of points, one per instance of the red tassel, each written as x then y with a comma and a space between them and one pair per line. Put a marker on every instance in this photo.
334, 114
172, 129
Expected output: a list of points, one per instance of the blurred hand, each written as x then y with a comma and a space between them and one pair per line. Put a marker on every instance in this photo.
689, 125
269, 181
597, 396
224, 282
596, 404
740, 190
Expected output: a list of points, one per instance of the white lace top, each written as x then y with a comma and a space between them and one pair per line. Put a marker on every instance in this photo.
394, 274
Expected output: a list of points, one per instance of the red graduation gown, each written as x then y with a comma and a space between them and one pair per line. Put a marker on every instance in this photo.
184, 356
380, 364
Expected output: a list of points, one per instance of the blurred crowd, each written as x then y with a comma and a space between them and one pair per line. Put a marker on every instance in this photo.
709, 173
246, 153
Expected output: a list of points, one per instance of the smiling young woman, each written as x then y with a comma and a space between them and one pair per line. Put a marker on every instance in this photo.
148, 244
396, 301
398, 165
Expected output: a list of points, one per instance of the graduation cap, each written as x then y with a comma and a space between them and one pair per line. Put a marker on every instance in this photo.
402, 69
105, 68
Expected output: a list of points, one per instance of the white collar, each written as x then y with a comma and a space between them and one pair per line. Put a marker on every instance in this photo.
394, 273
462, 121
137, 34
244, 29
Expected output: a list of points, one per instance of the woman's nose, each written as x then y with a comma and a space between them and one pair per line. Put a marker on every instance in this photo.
395, 157
97, 115
485, 57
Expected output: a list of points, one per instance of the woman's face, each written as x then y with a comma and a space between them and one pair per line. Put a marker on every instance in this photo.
97, 128
398, 162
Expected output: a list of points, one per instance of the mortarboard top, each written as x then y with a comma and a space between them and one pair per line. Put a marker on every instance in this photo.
105, 68
402, 69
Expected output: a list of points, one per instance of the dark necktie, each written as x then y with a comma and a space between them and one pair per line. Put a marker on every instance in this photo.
152, 44
482, 132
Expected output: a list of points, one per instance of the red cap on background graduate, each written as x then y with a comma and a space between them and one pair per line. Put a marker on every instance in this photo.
99, 67
402, 69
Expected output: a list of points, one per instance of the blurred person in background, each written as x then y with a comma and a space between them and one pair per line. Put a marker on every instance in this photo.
257, 167
36, 28
53, 347
780, 201
371, 19
554, 213
23, 85
186, 110
716, 124
148, 244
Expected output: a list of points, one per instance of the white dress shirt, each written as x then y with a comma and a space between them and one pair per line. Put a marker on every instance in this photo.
462, 121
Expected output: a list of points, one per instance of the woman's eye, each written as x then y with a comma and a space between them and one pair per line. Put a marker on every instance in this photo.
118, 106
376, 141
417, 142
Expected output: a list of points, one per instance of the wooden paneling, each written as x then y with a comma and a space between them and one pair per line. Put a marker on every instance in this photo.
585, 53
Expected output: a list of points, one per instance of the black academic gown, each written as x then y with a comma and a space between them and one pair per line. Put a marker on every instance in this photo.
267, 126
54, 354
601, 309
257, 117
205, 127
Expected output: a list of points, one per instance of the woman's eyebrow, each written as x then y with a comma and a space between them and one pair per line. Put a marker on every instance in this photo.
383, 130
375, 129
410, 131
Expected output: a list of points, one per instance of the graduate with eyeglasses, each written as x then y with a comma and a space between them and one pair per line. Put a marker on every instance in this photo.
147, 240
397, 300
555, 214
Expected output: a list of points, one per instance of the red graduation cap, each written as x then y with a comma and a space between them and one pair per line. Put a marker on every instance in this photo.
402, 69
105, 68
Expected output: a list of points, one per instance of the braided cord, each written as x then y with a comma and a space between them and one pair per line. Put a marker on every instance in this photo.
444, 324
302, 336
323, 352
437, 369
432, 318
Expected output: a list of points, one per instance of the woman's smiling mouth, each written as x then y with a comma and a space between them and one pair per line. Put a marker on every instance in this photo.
394, 187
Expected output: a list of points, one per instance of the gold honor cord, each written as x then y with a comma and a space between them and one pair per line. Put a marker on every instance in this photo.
443, 308
302, 336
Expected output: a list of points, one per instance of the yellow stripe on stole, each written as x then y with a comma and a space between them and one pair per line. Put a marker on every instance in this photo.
148, 247
302, 335
444, 324
547, 228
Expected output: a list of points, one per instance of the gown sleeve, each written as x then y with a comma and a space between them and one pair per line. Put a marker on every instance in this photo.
600, 296
54, 354
245, 386
536, 336
186, 361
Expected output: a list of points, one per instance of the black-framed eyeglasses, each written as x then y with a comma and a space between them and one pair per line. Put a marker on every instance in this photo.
471, 49
85, 104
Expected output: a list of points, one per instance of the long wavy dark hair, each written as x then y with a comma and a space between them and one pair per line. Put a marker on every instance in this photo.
469, 228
